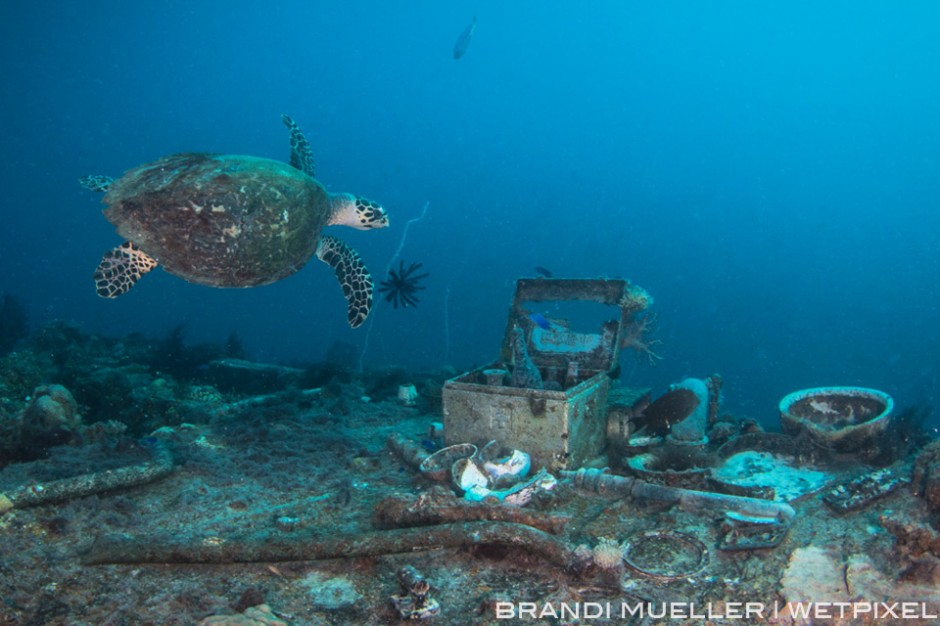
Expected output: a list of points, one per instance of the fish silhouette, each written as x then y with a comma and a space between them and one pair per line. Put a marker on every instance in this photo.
463, 42
540, 321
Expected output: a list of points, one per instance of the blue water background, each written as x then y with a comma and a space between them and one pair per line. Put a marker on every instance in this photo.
770, 172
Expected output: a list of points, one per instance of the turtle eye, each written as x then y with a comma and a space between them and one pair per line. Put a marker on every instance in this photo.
371, 214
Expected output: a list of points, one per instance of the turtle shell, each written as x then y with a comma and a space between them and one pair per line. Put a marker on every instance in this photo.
219, 219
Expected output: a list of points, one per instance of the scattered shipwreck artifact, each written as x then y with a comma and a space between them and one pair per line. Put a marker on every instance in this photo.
547, 394
437, 466
863, 490
624, 407
493, 472
414, 601
610, 485
407, 395
842, 419
478, 486
750, 532
690, 429
665, 555
749, 523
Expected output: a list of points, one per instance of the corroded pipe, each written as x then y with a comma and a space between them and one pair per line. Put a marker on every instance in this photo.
265, 546
35, 494
602, 483
408, 451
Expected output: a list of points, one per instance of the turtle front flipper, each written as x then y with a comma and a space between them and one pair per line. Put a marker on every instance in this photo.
301, 156
120, 268
352, 275
96, 182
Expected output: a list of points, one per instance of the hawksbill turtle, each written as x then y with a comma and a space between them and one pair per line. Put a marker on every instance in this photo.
227, 220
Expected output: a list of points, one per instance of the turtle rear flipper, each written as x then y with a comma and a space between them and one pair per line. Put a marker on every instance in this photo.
120, 268
352, 275
96, 182
301, 156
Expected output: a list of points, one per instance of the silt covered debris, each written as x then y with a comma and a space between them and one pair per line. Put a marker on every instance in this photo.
302, 501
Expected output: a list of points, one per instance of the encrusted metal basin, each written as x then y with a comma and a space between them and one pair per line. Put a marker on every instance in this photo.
843, 419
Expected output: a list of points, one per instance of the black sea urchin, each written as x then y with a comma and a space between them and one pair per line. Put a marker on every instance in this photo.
400, 287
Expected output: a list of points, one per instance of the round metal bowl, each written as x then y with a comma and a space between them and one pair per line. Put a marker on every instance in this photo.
437, 466
843, 419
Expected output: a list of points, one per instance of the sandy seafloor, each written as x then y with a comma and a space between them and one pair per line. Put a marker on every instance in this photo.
296, 458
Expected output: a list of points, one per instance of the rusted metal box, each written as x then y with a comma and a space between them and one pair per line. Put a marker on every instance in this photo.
563, 424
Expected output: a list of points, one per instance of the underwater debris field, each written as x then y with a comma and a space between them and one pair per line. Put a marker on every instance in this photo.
286, 504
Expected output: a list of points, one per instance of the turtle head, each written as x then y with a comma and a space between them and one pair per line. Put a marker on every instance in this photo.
357, 212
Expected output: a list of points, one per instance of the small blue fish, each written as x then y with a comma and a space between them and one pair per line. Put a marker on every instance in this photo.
540, 321
463, 42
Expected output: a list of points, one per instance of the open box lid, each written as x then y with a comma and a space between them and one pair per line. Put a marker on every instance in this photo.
552, 342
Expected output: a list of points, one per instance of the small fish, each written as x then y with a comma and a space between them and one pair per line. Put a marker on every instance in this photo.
463, 42
540, 321
541, 271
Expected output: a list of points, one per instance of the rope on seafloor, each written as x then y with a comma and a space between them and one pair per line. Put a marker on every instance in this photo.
391, 261
159, 465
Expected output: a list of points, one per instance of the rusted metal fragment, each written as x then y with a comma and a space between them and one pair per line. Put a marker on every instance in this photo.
862, 490
401, 512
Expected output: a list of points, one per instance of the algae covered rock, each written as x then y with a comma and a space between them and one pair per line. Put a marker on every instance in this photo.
51, 416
